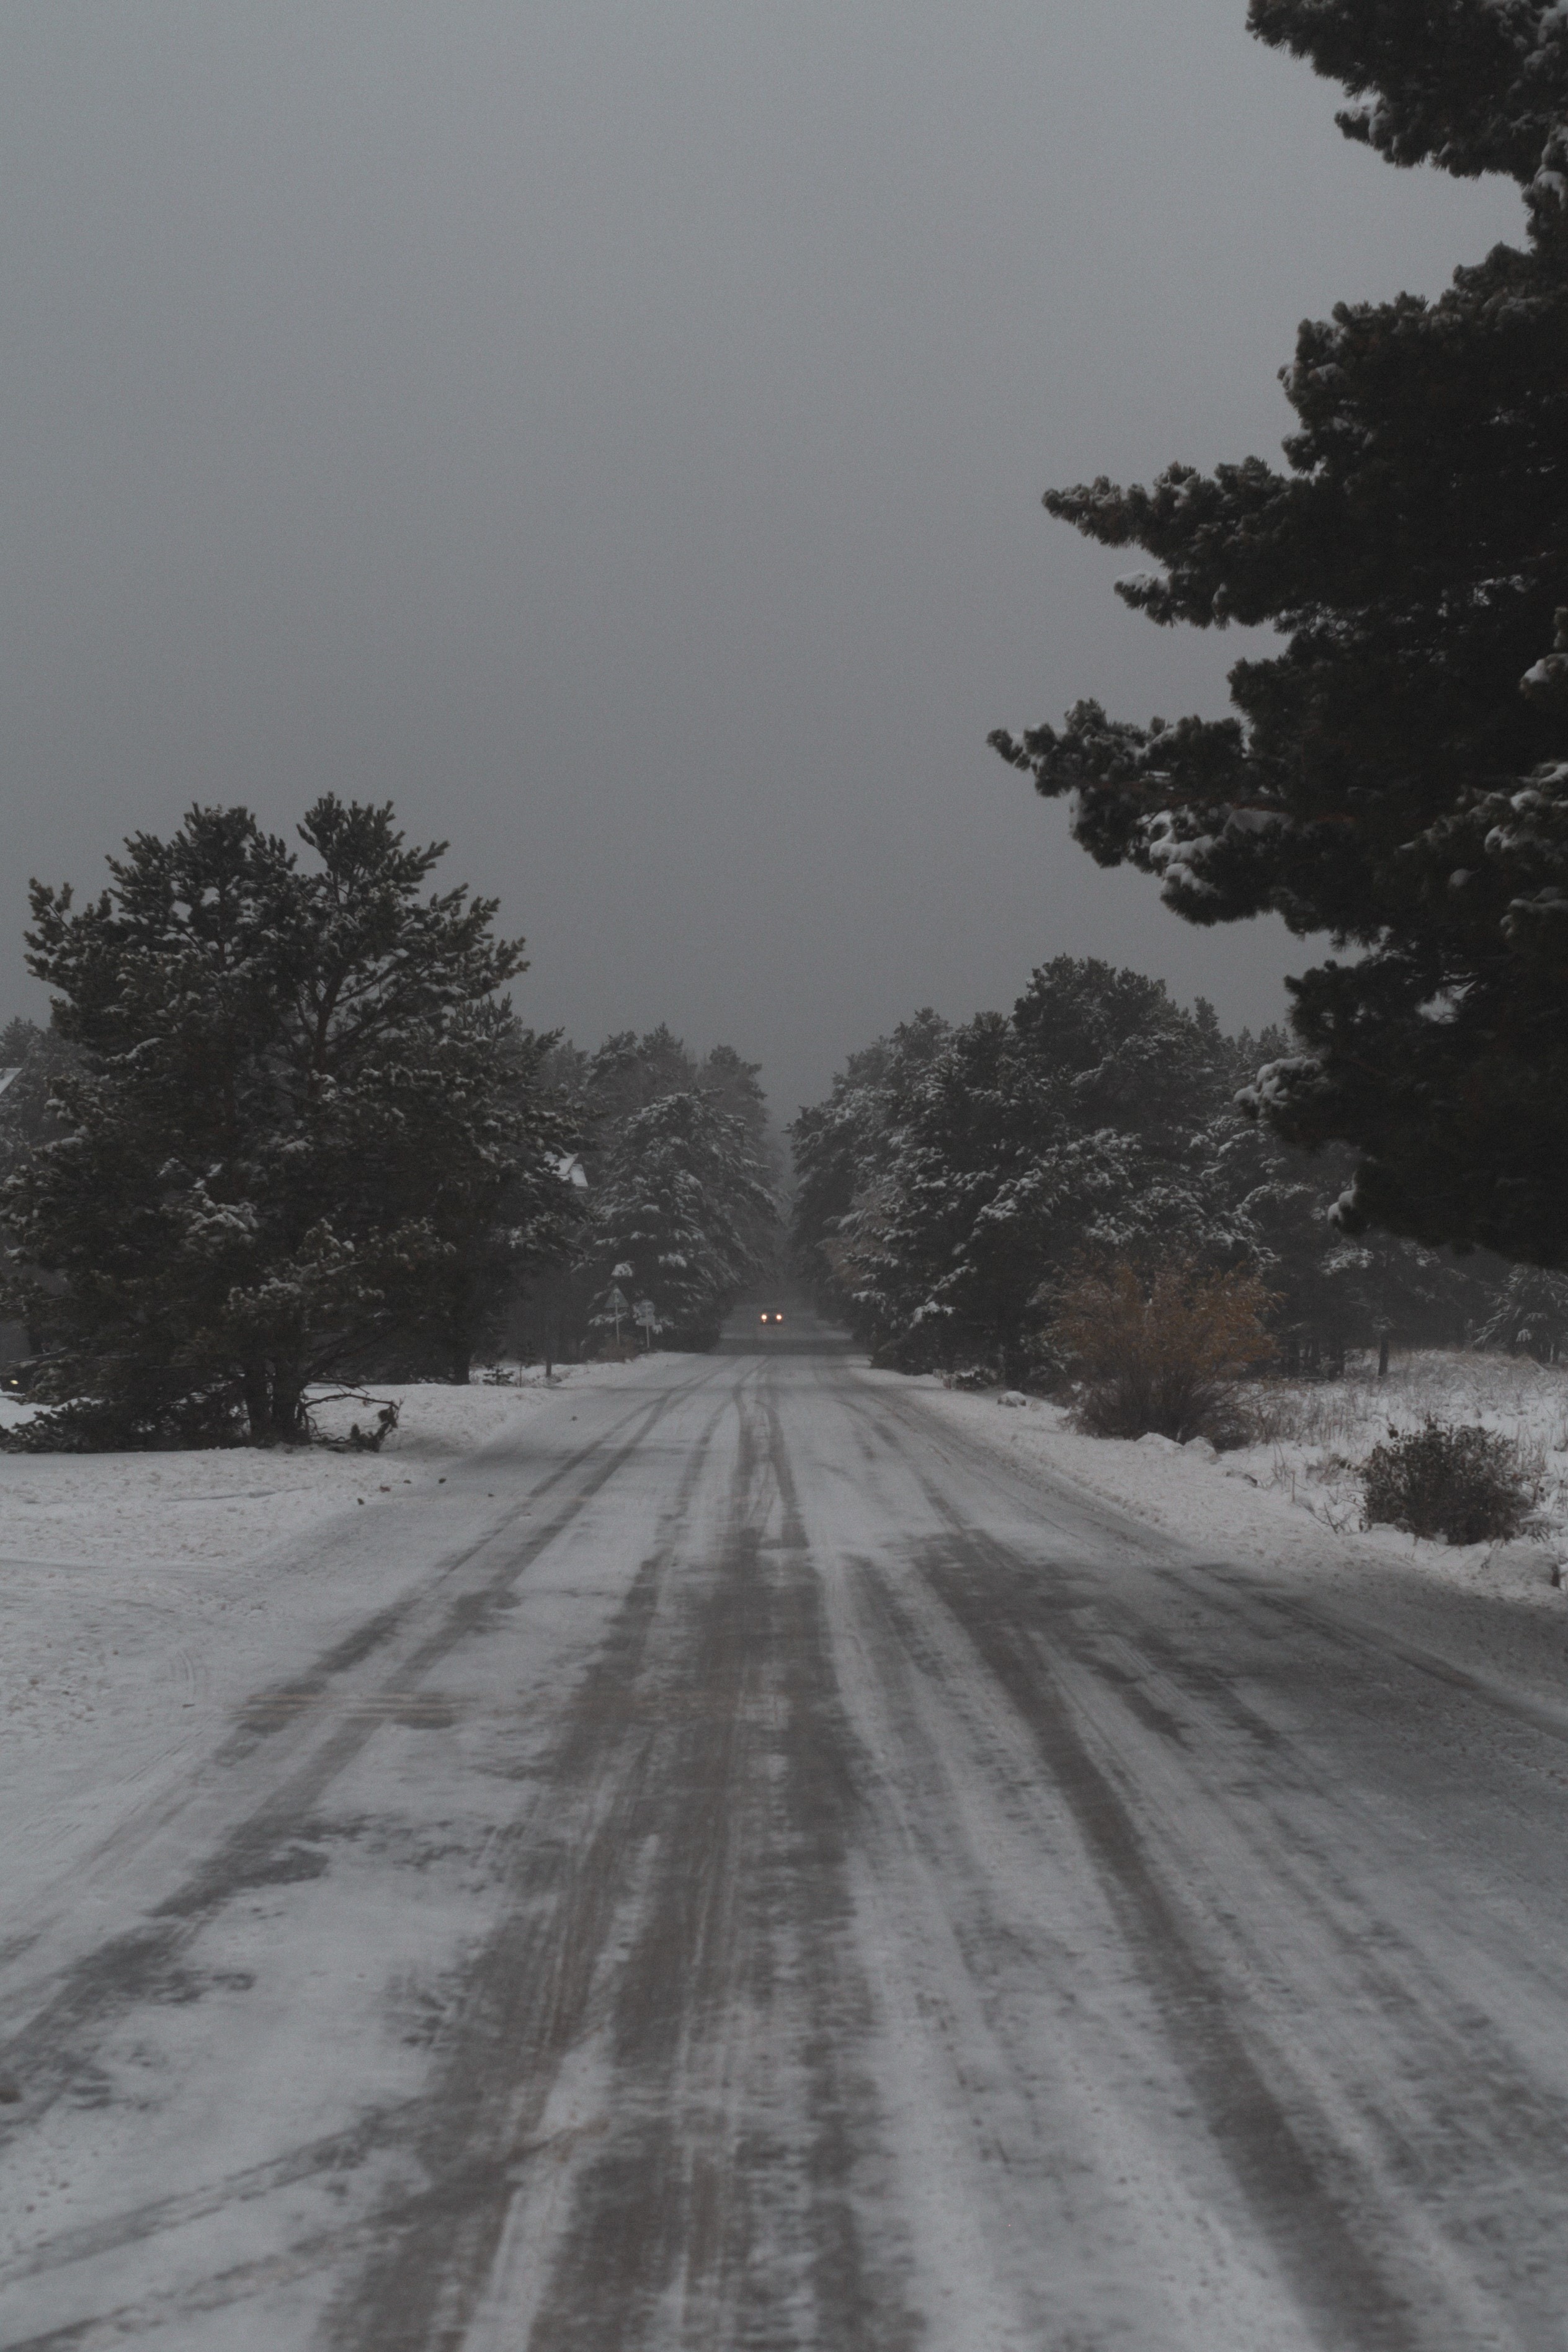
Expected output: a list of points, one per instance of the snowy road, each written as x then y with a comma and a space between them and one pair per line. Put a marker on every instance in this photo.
763, 1874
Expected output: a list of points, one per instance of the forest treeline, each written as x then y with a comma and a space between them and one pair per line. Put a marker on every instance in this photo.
959, 1175
285, 1128
678, 1206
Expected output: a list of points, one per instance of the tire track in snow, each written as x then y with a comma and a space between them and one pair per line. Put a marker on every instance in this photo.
859, 1863
729, 2213
1358, 2260
717, 2010
531, 1994
273, 1843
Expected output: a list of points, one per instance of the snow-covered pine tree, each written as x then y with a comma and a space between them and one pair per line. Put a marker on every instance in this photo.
1333, 1291
955, 1174
303, 1136
483, 1137
1103, 1102
1471, 85
1397, 777
680, 1190
602, 1093
733, 1086
842, 1148
28, 1120
1529, 1311
629, 1072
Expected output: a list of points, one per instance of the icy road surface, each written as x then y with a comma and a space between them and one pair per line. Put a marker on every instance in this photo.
759, 1872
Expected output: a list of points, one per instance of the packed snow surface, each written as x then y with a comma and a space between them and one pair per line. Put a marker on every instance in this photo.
748, 1850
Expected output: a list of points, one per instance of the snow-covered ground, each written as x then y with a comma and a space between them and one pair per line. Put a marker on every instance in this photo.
1291, 1503
874, 1888
135, 1511
740, 1859
135, 1586
113, 1565
1312, 1440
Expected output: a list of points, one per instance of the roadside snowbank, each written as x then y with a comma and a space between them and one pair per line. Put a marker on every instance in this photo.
1290, 1506
1296, 1493
127, 1511
1315, 1438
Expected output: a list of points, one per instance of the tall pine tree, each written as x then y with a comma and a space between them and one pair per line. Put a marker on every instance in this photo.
954, 1173
682, 1199
302, 1139
1397, 777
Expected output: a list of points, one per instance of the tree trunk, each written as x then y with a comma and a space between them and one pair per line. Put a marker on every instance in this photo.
1382, 1355
259, 1402
288, 1408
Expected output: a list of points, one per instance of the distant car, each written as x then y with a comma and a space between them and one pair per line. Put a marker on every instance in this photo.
770, 1315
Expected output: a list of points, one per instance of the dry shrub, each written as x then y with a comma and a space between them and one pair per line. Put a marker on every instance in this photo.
1160, 1352
1469, 1486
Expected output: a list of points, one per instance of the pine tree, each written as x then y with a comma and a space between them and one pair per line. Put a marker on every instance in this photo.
301, 1137
481, 1169
603, 1093
733, 1086
955, 1174
1332, 1291
1473, 86
629, 1072
1397, 777
680, 1192
29, 1120
1530, 1310
843, 1147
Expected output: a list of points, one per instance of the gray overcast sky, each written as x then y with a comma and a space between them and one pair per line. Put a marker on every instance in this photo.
615, 433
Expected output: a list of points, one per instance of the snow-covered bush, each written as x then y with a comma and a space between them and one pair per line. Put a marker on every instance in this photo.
171, 1414
1468, 1485
1160, 1355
